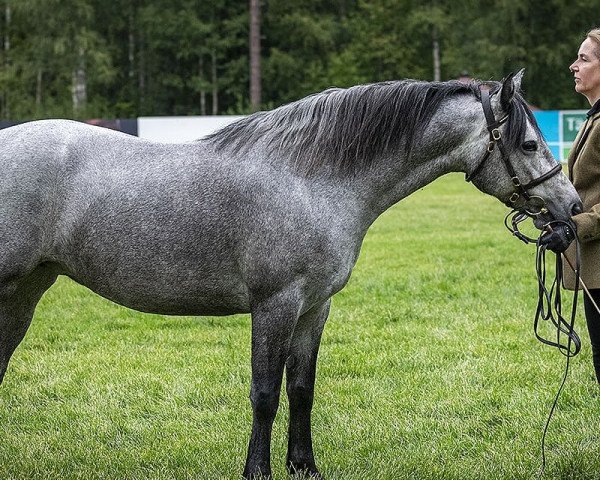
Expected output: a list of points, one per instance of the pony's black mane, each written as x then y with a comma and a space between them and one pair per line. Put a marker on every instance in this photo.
347, 128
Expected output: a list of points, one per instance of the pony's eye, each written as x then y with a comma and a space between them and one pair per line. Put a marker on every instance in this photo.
530, 146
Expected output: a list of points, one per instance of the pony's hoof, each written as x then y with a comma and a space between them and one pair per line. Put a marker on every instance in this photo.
301, 470
258, 474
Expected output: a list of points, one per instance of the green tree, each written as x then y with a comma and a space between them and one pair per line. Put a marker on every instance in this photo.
57, 60
193, 51
87, 58
300, 39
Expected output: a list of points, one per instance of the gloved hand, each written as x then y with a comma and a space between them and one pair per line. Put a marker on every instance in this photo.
559, 238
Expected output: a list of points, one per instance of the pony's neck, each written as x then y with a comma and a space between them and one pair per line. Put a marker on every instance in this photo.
387, 186
397, 175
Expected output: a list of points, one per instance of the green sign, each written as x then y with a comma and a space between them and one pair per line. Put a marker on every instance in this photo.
570, 123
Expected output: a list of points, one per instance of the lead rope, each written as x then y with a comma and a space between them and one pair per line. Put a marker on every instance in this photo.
549, 307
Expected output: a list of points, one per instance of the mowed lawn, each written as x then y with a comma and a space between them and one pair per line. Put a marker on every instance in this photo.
428, 369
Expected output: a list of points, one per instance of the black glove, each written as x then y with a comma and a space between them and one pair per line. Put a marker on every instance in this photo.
559, 238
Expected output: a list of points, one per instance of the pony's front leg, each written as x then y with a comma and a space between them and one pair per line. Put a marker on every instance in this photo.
272, 327
300, 374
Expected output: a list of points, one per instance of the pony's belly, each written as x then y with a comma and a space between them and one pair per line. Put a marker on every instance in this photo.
168, 298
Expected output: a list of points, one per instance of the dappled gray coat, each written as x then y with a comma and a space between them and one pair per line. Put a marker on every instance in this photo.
584, 172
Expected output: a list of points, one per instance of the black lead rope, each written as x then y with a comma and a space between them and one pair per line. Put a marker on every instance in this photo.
549, 306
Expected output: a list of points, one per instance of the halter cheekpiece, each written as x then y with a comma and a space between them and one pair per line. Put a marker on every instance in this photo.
520, 189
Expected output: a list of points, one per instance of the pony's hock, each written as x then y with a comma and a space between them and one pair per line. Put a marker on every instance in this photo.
266, 216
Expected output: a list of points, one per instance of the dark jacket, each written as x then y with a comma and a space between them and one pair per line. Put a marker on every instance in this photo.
584, 172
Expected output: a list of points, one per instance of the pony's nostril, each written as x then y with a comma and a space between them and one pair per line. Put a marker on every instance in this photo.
577, 208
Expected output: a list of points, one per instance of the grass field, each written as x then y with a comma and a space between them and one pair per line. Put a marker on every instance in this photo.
429, 369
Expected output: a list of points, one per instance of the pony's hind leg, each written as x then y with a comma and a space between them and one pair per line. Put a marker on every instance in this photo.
300, 383
18, 299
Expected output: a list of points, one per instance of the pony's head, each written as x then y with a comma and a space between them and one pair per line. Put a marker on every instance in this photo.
515, 164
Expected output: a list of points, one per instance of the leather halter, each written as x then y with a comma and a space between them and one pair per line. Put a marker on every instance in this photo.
520, 189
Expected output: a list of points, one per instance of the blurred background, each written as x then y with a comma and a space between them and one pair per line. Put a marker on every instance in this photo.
125, 59
130, 58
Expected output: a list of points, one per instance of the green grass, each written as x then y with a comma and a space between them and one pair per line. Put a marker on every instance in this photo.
428, 370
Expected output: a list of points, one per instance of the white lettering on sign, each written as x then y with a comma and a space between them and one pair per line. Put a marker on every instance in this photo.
574, 123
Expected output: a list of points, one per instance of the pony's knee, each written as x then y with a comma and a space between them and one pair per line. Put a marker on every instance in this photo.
300, 382
264, 403
300, 396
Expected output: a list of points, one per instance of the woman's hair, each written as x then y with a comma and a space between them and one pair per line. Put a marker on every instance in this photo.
594, 34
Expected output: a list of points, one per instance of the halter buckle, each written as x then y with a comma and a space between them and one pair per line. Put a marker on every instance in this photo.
495, 133
491, 145
514, 197
516, 182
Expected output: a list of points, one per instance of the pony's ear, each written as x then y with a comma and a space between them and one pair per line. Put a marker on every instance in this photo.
517, 78
508, 91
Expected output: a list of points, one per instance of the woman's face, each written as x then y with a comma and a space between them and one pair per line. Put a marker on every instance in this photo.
586, 70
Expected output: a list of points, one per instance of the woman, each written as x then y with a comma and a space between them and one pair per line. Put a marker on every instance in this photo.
584, 172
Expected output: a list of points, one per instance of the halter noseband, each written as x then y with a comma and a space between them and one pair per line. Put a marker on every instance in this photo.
520, 189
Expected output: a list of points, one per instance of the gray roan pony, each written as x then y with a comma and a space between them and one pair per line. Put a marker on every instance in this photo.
266, 216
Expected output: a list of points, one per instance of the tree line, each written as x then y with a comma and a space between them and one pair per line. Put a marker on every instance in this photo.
130, 58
